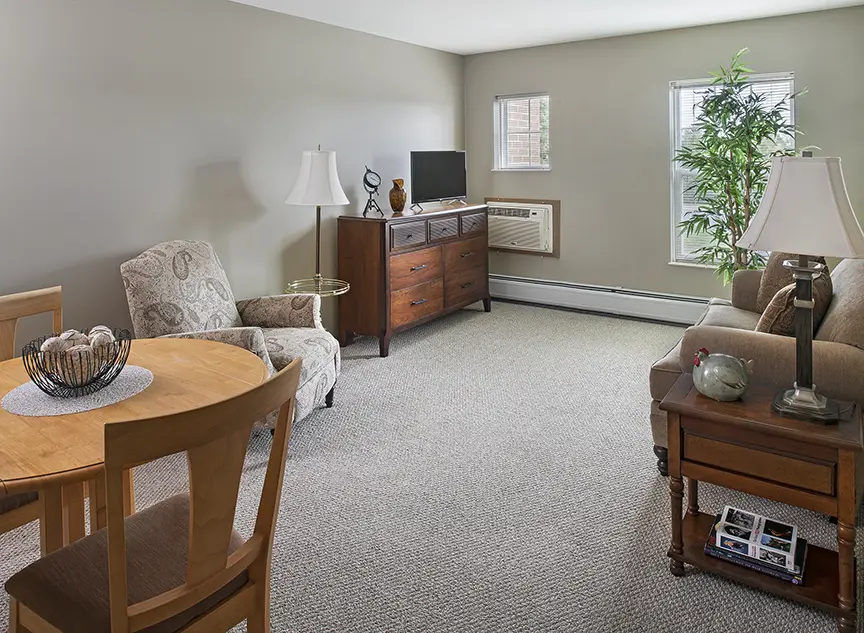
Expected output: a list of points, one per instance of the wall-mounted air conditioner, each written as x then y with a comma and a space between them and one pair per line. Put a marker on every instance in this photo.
523, 227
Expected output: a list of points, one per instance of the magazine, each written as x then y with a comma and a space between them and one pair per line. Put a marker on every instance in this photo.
796, 576
748, 534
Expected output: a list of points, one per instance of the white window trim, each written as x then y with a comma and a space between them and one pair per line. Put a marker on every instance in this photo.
675, 172
498, 134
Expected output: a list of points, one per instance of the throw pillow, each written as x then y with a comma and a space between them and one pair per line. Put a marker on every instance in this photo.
775, 277
779, 316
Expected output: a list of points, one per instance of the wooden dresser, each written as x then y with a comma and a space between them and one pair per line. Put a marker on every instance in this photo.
410, 269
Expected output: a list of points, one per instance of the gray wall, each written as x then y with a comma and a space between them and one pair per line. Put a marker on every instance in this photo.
609, 117
127, 122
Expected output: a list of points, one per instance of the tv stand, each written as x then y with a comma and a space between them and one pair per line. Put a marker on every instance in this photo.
455, 201
417, 205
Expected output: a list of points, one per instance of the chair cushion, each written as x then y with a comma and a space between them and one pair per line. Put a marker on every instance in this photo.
316, 347
779, 316
69, 588
13, 502
776, 277
844, 322
178, 287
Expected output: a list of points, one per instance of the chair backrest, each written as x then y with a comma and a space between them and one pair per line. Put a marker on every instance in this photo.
23, 304
215, 440
178, 287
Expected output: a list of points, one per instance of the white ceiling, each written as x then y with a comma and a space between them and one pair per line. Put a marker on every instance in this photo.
476, 26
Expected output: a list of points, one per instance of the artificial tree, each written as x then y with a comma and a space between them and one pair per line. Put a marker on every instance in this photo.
734, 138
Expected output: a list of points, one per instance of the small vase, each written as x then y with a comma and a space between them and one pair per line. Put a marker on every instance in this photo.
398, 196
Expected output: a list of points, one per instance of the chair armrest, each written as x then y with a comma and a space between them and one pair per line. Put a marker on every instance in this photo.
745, 289
301, 310
838, 369
248, 338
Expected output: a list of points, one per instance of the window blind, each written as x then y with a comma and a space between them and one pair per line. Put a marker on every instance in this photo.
686, 99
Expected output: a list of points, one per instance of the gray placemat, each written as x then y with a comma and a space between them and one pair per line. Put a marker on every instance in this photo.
29, 400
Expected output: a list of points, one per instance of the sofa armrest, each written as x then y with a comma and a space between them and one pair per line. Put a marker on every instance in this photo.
301, 310
838, 369
745, 289
249, 338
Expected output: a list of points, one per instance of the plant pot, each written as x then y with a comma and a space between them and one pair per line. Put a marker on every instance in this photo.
398, 196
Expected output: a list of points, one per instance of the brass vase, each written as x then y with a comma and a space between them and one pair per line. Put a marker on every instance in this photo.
398, 196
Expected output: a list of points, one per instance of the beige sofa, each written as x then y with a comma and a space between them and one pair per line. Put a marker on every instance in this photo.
727, 327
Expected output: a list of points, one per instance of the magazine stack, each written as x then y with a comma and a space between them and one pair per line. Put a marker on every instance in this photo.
759, 543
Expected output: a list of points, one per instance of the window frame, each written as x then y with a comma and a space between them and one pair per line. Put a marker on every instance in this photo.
499, 141
677, 173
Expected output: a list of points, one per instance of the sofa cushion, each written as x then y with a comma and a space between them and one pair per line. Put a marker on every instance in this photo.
69, 588
779, 316
775, 277
844, 321
178, 287
723, 315
315, 346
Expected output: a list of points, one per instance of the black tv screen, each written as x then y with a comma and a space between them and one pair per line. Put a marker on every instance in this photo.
438, 176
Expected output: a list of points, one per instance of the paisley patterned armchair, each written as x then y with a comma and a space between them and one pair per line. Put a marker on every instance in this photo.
179, 289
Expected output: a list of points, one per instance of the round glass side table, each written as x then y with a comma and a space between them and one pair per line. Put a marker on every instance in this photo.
318, 285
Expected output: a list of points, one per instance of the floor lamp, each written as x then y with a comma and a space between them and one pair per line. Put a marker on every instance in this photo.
318, 186
805, 209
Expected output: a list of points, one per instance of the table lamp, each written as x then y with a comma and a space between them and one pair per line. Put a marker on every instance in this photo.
317, 186
805, 209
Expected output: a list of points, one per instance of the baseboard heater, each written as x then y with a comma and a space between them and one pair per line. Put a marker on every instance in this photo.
641, 304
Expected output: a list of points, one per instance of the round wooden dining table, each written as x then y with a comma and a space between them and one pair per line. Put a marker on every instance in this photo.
62, 457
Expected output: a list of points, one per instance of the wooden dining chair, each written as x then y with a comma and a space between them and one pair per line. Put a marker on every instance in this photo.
177, 566
18, 510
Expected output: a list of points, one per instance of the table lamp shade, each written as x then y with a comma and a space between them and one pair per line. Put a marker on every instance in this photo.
318, 181
805, 210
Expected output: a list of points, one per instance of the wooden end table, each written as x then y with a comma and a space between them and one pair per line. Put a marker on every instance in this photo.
745, 446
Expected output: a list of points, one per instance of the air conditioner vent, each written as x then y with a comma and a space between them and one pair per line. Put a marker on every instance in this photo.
521, 227
510, 213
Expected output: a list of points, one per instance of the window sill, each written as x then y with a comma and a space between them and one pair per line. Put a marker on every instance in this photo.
692, 265
510, 169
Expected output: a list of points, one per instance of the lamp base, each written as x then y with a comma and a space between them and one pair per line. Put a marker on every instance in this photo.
806, 404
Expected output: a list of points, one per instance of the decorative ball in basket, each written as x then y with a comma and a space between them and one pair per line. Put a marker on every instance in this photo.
74, 364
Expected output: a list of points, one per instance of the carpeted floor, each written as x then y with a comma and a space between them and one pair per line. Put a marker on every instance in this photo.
494, 473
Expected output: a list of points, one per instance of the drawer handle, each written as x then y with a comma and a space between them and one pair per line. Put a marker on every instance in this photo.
470, 283
409, 236
420, 267
468, 254
418, 302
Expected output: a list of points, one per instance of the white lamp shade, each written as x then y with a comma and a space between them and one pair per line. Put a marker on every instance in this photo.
806, 211
318, 181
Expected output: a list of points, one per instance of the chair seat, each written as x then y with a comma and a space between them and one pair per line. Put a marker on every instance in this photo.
316, 347
69, 588
13, 502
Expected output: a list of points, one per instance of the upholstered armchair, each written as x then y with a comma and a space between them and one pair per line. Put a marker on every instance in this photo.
179, 289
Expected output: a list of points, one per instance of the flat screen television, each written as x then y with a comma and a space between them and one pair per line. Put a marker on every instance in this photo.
438, 176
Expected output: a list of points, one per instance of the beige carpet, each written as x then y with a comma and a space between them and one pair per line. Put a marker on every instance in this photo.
494, 473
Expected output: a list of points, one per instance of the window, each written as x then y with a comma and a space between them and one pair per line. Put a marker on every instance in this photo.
522, 132
685, 100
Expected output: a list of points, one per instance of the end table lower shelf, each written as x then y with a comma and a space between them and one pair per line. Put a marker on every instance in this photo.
820, 588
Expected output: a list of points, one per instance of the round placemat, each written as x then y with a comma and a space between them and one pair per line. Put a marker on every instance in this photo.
29, 400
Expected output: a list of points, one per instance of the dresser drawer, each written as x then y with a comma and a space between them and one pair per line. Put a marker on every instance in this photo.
473, 223
417, 267
407, 235
416, 302
465, 254
782, 468
443, 229
465, 286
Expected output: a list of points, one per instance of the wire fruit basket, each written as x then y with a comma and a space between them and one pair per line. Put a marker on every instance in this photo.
72, 374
